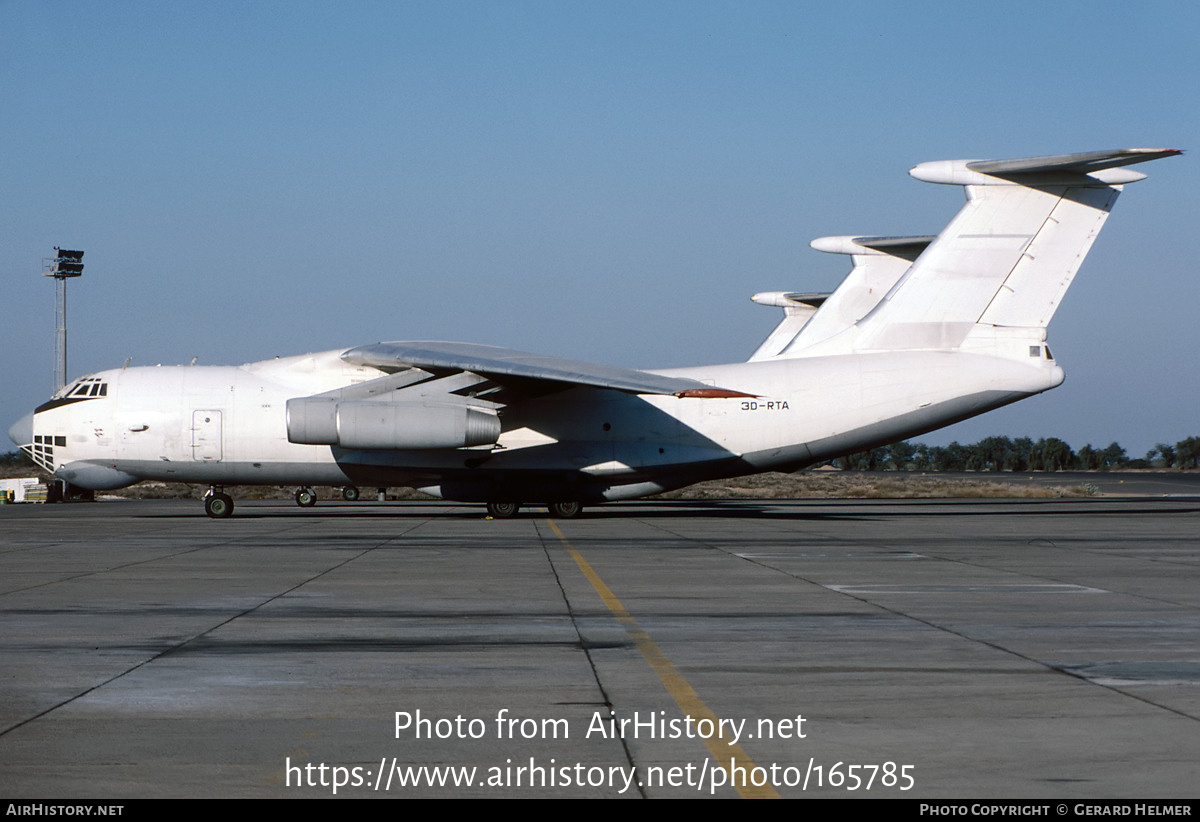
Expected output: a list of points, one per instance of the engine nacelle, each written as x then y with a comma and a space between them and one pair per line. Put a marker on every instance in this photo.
391, 426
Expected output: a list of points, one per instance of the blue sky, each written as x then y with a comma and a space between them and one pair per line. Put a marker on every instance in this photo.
607, 181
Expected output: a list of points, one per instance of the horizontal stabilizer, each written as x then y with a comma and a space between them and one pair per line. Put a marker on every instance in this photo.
1091, 168
1082, 163
790, 299
907, 247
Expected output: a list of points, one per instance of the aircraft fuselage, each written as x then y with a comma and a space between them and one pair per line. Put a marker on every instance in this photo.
227, 425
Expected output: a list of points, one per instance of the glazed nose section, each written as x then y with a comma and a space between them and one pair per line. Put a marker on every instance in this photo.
22, 431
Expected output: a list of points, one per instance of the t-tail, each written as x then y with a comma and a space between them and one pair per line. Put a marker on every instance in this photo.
991, 280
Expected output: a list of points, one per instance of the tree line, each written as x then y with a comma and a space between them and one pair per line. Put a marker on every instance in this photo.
1020, 454
989, 454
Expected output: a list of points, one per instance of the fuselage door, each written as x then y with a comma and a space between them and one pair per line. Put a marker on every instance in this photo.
206, 436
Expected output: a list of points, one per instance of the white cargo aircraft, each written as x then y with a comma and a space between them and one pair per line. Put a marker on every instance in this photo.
924, 332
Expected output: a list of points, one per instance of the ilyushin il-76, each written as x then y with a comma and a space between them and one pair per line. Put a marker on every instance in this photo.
923, 332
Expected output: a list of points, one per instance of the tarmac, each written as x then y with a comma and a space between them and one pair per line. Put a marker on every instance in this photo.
1011, 649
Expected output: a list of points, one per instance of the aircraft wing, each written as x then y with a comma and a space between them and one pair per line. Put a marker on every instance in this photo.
436, 395
503, 365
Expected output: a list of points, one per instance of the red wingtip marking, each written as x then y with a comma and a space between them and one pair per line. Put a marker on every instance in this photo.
713, 394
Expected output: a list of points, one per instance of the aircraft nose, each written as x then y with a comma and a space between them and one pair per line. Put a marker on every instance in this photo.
22, 431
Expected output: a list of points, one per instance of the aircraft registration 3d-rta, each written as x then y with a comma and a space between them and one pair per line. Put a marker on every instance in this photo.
923, 332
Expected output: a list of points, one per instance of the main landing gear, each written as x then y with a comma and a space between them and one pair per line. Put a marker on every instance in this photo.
558, 510
306, 497
565, 510
503, 510
217, 503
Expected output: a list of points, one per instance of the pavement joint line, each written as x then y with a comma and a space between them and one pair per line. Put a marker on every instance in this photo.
677, 686
168, 651
204, 546
864, 598
608, 704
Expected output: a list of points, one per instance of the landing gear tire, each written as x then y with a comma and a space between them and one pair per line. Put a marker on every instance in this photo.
350, 493
565, 510
218, 505
306, 497
503, 510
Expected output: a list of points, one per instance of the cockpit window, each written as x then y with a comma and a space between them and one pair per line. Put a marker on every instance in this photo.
88, 387
83, 389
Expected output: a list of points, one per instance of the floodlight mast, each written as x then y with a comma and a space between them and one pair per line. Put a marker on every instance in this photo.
64, 265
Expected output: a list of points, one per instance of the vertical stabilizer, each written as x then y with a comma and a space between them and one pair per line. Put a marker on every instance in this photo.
879, 262
1006, 258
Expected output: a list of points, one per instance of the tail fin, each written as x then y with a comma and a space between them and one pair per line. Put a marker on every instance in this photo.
878, 263
798, 309
1004, 261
